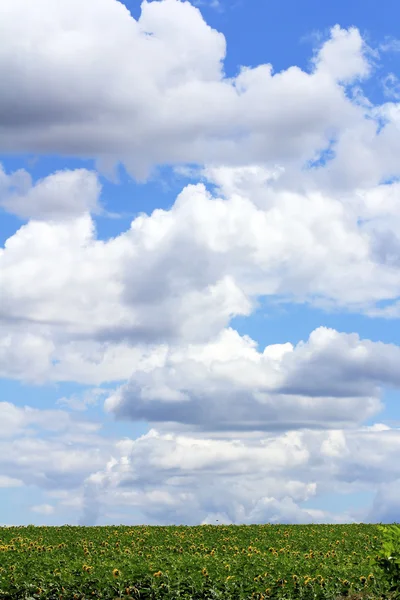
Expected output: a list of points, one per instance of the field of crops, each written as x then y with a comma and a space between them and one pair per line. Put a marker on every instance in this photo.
227, 562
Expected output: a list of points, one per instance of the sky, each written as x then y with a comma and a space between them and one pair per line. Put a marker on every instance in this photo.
199, 262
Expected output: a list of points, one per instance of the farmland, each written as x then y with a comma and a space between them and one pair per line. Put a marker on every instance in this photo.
227, 562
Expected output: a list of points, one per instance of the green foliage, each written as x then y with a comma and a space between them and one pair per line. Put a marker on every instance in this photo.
389, 558
256, 562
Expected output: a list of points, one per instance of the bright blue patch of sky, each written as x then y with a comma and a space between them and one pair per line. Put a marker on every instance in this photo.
323, 157
276, 324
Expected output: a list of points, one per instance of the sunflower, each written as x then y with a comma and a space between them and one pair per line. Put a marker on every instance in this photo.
116, 573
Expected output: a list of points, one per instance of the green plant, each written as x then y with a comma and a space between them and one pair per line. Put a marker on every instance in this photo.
389, 558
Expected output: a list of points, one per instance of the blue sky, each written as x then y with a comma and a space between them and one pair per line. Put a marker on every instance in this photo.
161, 225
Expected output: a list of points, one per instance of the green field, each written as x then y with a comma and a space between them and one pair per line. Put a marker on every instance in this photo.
227, 562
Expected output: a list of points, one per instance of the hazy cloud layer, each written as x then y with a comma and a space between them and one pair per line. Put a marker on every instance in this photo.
188, 478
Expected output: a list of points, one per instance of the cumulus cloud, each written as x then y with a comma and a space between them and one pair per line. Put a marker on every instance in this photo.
112, 290
59, 196
174, 478
343, 56
332, 380
173, 105
170, 478
79, 308
341, 364
183, 273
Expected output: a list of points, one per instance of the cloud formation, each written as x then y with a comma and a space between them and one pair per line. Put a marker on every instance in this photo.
174, 105
289, 192
57, 197
330, 381
170, 477
177, 478
48, 449
179, 276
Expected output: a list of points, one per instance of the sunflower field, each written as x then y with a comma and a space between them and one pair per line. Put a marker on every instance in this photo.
230, 562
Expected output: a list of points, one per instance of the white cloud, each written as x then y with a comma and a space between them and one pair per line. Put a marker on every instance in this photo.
59, 196
109, 290
172, 105
23, 353
174, 478
332, 380
220, 253
15, 420
342, 57
48, 448
170, 478
83, 309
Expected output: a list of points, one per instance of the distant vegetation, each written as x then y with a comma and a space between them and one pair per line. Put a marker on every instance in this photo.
254, 562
